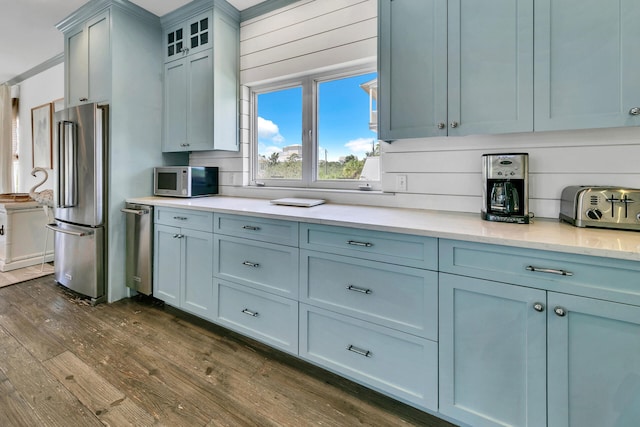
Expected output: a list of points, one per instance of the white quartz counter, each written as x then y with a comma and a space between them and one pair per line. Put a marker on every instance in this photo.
545, 234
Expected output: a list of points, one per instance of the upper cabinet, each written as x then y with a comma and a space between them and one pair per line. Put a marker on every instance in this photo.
201, 77
188, 37
88, 60
462, 67
587, 64
455, 67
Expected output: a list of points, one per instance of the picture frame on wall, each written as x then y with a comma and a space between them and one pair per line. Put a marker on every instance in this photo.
42, 136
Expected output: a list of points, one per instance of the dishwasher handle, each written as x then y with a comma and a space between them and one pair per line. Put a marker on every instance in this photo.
139, 212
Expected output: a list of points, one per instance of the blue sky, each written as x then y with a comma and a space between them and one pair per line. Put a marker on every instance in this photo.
344, 118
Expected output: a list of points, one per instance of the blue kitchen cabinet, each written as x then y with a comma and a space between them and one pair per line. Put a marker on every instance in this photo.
531, 337
454, 67
587, 58
593, 362
88, 59
201, 77
183, 260
368, 309
492, 352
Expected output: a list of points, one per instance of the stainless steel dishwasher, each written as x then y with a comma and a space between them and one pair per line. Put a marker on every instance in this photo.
139, 252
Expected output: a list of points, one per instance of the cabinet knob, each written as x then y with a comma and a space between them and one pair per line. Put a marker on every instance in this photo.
634, 111
538, 306
560, 311
453, 124
441, 125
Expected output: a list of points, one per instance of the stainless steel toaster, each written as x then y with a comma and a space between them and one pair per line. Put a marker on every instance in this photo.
606, 207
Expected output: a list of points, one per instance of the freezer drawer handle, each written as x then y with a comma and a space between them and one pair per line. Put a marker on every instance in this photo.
72, 233
135, 211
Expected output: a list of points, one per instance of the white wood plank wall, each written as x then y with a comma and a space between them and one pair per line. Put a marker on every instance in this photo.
442, 173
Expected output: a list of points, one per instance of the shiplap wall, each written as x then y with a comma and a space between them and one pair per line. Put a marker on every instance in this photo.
442, 173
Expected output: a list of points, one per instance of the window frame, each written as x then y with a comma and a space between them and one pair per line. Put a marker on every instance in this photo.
309, 138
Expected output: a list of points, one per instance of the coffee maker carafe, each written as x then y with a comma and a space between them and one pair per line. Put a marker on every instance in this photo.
505, 192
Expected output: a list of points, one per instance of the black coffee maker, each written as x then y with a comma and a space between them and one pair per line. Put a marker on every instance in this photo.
505, 192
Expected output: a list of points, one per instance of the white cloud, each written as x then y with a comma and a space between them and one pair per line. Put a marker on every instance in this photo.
269, 130
360, 145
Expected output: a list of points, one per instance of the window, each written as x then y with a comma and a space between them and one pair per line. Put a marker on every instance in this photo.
318, 132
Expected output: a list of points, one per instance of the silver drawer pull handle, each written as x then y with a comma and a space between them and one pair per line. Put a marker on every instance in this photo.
251, 227
250, 313
549, 270
251, 264
357, 289
361, 352
178, 236
180, 218
356, 243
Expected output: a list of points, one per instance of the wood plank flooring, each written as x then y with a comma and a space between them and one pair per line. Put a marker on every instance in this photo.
136, 362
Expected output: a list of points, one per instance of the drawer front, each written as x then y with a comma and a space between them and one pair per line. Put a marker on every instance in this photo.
594, 277
194, 220
399, 297
264, 266
401, 365
394, 248
265, 317
263, 229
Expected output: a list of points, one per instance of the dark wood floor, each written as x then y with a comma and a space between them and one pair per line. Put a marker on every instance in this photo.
134, 362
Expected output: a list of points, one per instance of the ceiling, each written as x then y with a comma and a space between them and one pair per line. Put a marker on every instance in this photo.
28, 36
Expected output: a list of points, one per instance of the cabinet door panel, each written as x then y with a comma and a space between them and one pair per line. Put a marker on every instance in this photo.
175, 106
594, 368
77, 73
200, 101
99, 60
492, 353
586, 63
413, 71
197, 294
167, 262
490, 72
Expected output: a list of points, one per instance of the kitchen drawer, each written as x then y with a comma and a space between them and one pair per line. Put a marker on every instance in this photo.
395, 248
401, 365
194, 220
260, 265
399, 297
263, 229
265, 317
590, 276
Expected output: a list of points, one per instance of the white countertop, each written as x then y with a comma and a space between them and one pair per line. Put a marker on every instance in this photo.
545, 234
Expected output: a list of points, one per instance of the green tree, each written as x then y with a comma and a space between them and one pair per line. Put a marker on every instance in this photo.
273, 159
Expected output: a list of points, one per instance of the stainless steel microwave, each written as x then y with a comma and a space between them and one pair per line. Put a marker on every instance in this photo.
185, 181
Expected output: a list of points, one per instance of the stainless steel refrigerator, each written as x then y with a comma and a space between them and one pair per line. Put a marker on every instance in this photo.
80, 199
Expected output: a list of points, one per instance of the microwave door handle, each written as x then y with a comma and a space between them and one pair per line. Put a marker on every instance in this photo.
67, 159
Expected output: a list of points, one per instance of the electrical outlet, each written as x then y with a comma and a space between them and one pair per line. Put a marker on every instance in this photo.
401, 183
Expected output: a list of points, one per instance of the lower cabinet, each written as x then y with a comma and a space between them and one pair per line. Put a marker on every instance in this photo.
492, 353
183, 266
512, 355
392, 362
268, 318
593, 362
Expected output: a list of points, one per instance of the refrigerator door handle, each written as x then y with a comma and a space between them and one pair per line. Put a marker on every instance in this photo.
72, 233
67, 159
